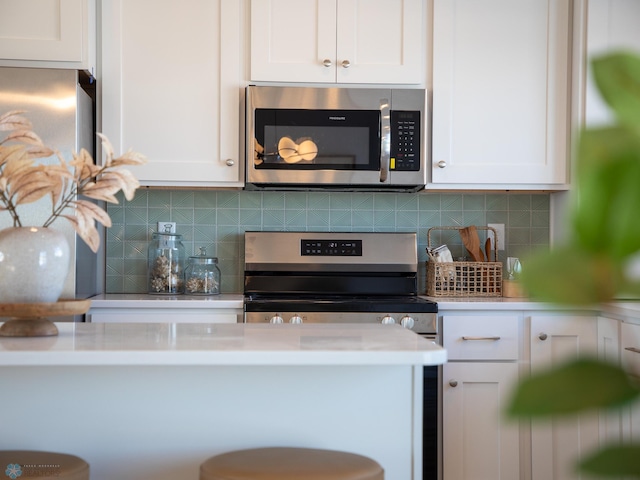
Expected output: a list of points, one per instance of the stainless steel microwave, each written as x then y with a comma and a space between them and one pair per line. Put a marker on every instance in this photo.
349, 139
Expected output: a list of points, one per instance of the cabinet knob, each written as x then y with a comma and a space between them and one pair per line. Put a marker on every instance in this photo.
327, 63
230, 162
442, 164
453, 383
542, 336
346, 64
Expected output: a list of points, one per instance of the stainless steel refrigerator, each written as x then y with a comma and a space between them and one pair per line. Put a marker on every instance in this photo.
60, 105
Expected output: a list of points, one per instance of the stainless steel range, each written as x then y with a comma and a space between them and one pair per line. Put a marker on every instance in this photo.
313, 277
323, 277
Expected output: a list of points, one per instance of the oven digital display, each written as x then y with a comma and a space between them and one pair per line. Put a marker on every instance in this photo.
331, 248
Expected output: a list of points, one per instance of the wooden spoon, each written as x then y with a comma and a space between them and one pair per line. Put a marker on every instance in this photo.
487, 248
471, 242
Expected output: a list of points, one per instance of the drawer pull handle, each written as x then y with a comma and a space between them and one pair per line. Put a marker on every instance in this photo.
633, 349
480, 338
453, 383
542, 336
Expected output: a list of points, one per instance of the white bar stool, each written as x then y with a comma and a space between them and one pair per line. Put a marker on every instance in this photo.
19, 464
286, 463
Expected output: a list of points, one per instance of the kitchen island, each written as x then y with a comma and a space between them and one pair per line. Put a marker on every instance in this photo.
152, 401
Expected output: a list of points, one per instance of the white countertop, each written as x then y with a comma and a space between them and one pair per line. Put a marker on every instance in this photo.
502, 303
80, 344
626, 308
487, 303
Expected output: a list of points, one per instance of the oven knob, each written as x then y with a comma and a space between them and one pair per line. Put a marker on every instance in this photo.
388, 320
296, 319
276, 319
407, 322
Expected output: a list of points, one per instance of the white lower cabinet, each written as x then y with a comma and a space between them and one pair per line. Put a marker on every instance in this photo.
556, 445
479, 442
630, 353
611, 423
489, 352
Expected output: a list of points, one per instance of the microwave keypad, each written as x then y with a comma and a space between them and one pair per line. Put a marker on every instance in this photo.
405, 140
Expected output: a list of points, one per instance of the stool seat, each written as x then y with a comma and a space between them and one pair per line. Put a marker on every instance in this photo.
287, 463
43, 465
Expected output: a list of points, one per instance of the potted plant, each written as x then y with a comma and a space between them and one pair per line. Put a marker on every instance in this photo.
599, 263
34, 259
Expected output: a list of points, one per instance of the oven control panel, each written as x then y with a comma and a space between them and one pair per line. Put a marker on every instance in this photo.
422, 323
331, 248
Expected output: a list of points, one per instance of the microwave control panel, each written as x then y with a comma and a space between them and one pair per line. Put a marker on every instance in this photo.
405, 140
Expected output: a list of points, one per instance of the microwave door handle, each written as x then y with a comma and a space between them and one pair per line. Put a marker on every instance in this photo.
385, 139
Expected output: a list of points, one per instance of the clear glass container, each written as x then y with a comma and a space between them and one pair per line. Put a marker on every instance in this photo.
202, 276
166, 260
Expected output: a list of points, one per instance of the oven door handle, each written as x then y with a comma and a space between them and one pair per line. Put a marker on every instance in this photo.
385, 139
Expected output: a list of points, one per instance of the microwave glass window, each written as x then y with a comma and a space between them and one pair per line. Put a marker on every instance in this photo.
317, 139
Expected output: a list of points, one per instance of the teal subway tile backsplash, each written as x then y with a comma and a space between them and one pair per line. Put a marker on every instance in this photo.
217, 220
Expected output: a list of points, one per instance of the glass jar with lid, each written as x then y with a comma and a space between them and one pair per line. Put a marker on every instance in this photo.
166, 259
202, 276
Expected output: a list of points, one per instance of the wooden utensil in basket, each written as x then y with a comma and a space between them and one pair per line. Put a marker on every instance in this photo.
480, 278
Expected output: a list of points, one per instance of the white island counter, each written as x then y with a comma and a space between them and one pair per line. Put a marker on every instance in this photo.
152, 401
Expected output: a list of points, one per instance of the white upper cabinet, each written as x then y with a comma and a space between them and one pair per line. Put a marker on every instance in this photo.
501, 87
338, 41
171, 88
48, 33
612, 25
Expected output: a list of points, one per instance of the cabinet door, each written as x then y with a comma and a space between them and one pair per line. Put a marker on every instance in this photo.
293, 40
612, 24
171, 88
630, 335
500, 93
345, 41
55, 31
556, 445
380, 41
479, 442
609, 351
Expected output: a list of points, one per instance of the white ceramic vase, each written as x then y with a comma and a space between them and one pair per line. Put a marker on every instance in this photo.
34, 263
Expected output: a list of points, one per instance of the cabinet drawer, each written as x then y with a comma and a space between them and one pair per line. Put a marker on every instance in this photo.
482, 337
210, 316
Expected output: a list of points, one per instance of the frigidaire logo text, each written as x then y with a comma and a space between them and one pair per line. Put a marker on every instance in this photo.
337, 118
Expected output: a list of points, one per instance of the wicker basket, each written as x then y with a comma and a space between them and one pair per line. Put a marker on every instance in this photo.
464, 279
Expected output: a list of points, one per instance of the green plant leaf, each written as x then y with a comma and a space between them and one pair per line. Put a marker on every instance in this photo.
570, 275
607, 197
617, 76
573, 387
614, 461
